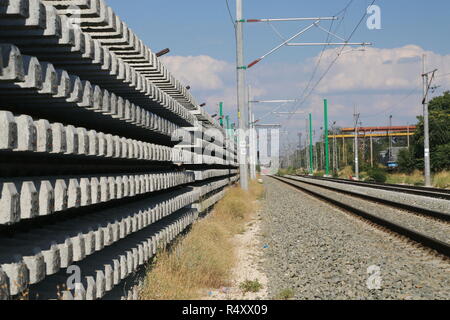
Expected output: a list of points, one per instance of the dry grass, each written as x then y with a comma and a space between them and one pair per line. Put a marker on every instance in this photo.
442, 180
204, 258
346, 172
416, 178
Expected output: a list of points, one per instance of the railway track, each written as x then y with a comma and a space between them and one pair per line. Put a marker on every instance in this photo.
379, 199
429, 230
415, 190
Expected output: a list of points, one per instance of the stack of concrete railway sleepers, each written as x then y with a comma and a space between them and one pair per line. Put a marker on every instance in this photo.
99, 21
92, 181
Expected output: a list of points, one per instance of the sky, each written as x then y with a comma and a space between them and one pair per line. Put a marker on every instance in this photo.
379, 81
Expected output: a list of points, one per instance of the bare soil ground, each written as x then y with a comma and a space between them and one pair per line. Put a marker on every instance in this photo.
249, 252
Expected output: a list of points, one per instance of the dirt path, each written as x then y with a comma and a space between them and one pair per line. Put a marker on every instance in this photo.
249, 265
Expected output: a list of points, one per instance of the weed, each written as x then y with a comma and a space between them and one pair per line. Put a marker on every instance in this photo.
285, 294
251, 286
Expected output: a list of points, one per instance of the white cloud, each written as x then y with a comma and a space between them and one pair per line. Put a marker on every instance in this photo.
379, 82
379, 69
199, 72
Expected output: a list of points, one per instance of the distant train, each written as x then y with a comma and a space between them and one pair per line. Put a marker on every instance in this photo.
392, 165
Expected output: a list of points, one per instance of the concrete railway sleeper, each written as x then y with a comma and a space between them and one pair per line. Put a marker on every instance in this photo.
23, 134
25, 198
39, 31
28, 257
101, 23
31, 85
103, 271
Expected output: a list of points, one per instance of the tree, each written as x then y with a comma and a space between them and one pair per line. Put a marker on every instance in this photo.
439, 118
406, 161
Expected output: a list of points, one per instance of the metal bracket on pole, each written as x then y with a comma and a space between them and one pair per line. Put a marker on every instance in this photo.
284, 43
288, 113
268, 125
291, 19
275, 101
363, 44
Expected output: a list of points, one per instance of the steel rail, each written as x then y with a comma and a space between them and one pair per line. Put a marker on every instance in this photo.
416, 190
398, 205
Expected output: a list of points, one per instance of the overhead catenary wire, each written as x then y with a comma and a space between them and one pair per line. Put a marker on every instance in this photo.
283, 38
329, 32
442, 75
342, 12
337, 57
316, 66
233, 20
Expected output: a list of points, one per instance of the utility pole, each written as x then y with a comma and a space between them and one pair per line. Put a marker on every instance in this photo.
311, 154
426, 88
338, 158
327, 155
322, 154
253, 146
356, 115
408, 137
344, 156
252, 135
335, 156
316, 152
242, 112
371, 149
306, 145
336, 149
300, 149
390, 140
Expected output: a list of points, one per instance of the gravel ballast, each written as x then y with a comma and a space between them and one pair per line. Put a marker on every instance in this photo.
320, 252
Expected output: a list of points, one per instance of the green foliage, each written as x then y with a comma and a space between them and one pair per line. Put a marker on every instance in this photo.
406, 161
441, 158
286, 172
364, 167
377, 175
251, 286
439, 118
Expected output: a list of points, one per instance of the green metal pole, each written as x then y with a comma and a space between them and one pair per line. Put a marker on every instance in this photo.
311, 155
327, 155
221, 114
228, 125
